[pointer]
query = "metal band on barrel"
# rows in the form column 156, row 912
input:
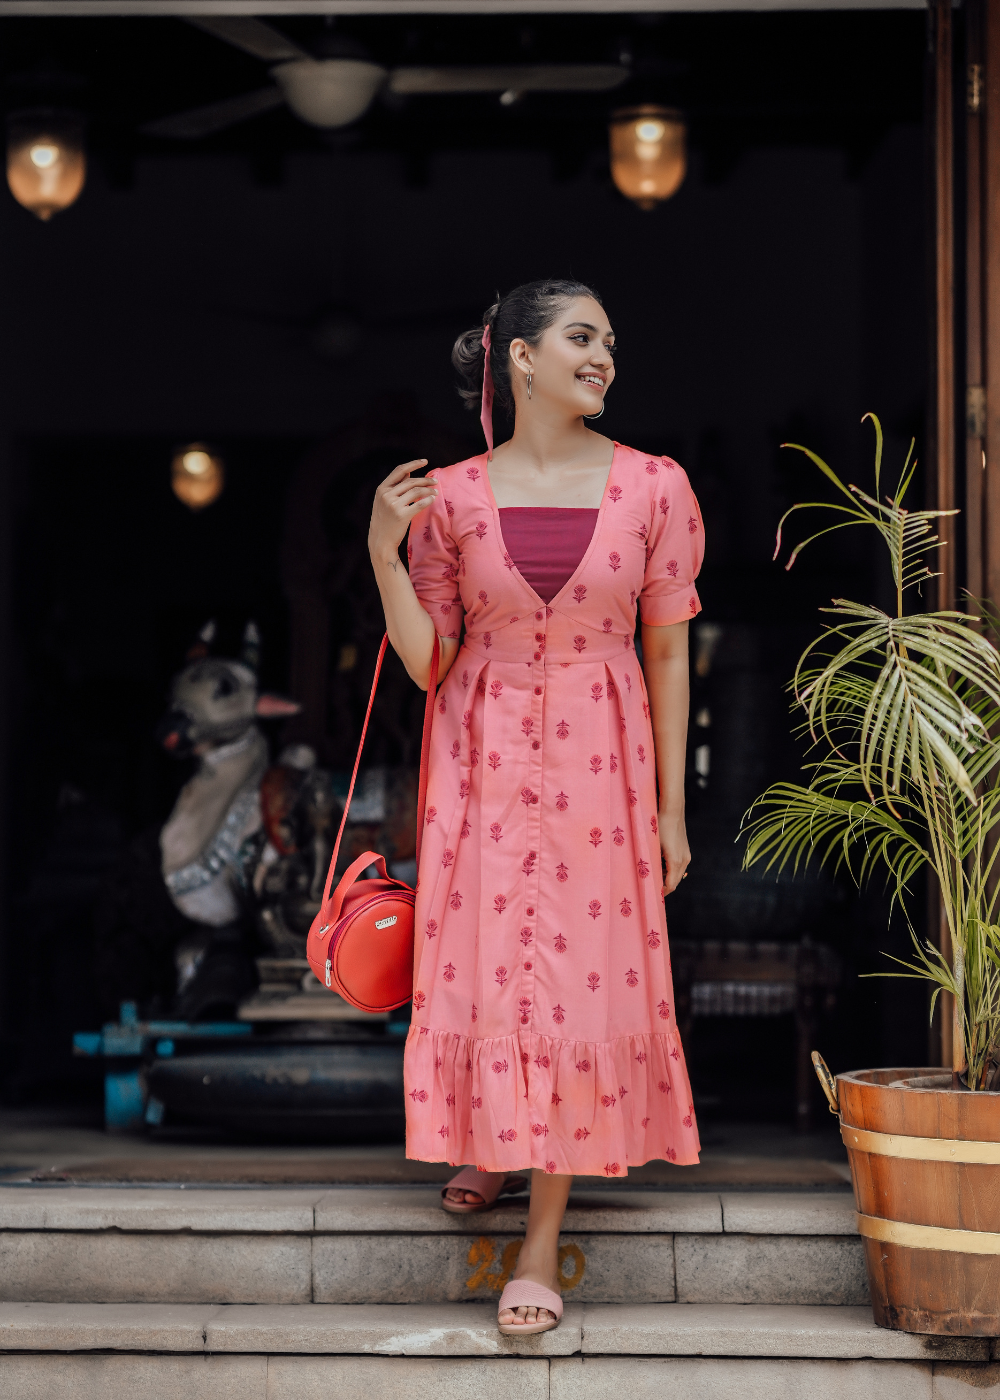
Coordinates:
column 927, row 1236
column 920, row 1149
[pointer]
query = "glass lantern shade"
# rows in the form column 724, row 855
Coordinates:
column 46, row 161
column 648, row 153
column 197, row 476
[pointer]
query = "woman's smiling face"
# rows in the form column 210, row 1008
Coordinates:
column 573, row 363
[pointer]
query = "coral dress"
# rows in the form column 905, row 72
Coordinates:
column 543, row 1032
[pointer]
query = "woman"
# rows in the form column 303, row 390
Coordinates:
column 543, row 1032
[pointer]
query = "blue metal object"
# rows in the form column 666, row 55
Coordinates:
column 198, row 1028
column 120, row 1040
column 125, row 1103
column 321, row 1092
column 124, row 1106
column 155, row 1110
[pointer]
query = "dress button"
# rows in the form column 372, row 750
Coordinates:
column 539, row 637
column 535, row 744
column 527, row 967
column 529, row 912
column 538, row 690
column 538, row 617
column 538, row 656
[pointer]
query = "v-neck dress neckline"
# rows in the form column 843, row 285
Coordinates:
column 574, row 576
column 547, row 543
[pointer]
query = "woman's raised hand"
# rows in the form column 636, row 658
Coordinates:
column 409, row 626
column 397, row 501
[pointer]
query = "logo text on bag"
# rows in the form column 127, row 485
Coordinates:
column 385, row 923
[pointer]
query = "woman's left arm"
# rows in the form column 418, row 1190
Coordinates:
column 665, row 665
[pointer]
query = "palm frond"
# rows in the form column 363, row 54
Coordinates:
column 902, row 718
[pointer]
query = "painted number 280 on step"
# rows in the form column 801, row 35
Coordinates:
column 493, row 1272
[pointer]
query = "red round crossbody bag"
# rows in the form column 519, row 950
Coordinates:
column 361, row 942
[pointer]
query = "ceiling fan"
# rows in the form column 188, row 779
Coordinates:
column 337, row 87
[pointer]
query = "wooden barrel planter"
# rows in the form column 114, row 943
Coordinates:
column 925, row 1164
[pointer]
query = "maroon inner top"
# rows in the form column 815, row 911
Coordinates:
column 547, row 543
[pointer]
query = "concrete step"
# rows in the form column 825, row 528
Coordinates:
column 385, row 1245
column 454, row 1352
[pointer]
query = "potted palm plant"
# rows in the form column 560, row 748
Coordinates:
column 902, row 716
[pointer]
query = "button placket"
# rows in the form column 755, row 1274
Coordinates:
column 533, row 825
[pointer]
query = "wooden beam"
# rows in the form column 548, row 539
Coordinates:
column 944, row 298
column 975, row 392
column 941, row 483
column 277, row 9
column 990, row 233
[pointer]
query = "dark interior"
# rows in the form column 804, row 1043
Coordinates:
column 265, row 289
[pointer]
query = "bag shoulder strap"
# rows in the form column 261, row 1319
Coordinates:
column 425, row 748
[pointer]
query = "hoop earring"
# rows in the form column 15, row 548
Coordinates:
column 529, row 383
column 591, row 416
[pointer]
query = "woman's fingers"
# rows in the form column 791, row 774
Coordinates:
column 403, row 507
column 408, row 493
column 398, row 499
column 404, row 469
column 677, row 866
column 412, row 491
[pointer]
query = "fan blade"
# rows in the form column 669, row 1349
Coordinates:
column 252, row 36
column 529, row 77
column 203, row 121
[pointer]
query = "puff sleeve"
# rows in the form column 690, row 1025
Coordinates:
column 674, row 550
column 433, row 557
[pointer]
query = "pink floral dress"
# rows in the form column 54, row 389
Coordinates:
column 543, row 1031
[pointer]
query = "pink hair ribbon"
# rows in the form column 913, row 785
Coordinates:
column 486, row 414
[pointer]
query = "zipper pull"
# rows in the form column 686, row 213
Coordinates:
column 329, row 965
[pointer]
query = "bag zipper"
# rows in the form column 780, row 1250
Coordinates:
column 341, row 924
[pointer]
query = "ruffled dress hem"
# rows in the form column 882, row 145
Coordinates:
column 581, row 1108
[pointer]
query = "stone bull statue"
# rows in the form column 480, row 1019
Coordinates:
column 235, row 868
column 210, row 834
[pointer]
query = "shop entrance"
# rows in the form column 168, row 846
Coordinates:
column 284, row 300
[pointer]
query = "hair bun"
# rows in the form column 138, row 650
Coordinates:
column 469, row 358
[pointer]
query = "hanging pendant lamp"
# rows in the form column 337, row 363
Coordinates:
column 648, row 153
column 46, row 160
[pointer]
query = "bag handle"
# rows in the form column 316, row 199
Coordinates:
column 348, row 878
column 425, row 748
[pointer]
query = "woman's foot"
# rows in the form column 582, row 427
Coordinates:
column 476, row 1190
column 509, row 1317
column 470, row 1198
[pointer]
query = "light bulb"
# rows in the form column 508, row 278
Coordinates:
column 197, row 462
column 43, row 156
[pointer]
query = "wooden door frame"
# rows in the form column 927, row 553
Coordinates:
column 965, row 377
column 942, row 425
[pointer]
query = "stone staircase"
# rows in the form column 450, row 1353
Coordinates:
column 372, row 1293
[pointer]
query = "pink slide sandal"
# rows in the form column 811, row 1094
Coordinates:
column 522, row 1293
column 489, row 1185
